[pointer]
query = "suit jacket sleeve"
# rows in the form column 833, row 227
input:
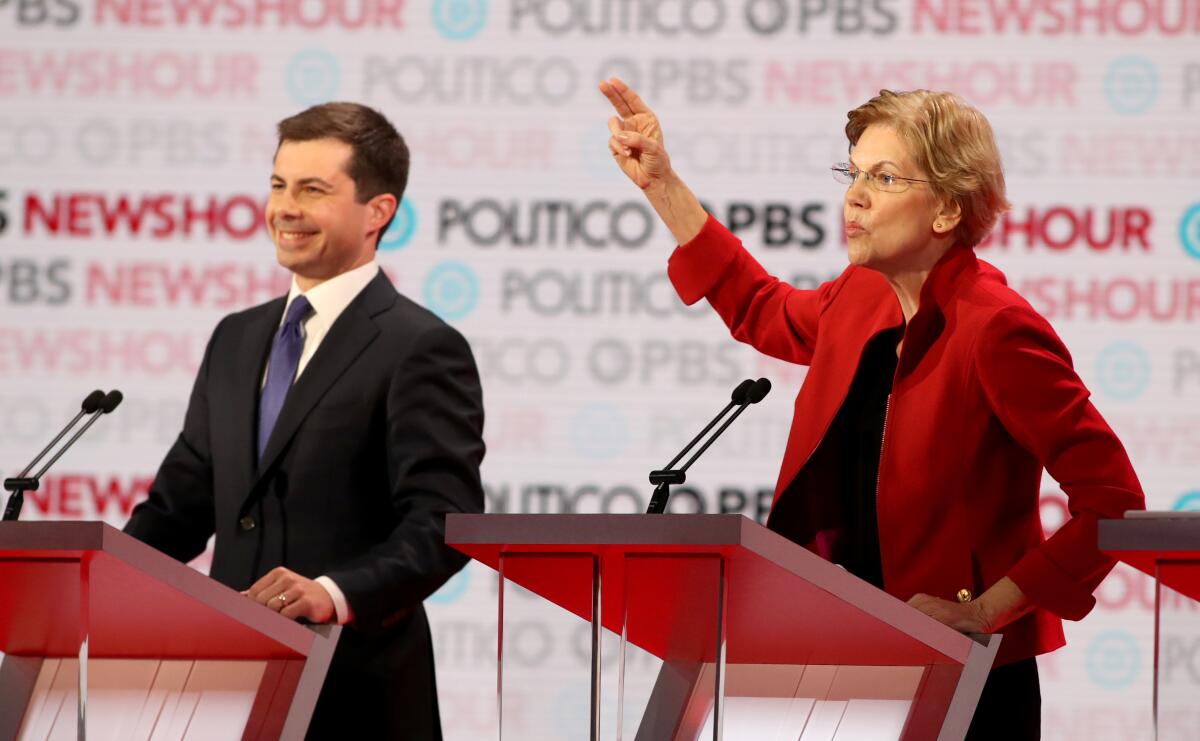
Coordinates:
column 1031, row 386
column 759, row 309
column 178, row 517
column 434, row 448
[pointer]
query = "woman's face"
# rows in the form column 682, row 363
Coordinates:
column 891, row 232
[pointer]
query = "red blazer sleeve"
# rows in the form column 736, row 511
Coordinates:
column 1033, row 389
column 759, row 309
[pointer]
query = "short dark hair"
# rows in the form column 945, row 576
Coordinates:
column 379, row 160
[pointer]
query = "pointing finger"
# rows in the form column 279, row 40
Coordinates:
column 615, row 98
column 632, row 101
column 612, row 89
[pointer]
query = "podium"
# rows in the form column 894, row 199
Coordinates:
column 1166, row 545
column 106, row 638
column 689, row 627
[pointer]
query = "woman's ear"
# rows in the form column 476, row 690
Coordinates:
column 948, row 214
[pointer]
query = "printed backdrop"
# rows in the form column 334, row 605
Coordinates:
column 135, row 146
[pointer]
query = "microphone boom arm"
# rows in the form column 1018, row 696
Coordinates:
column 748, row 392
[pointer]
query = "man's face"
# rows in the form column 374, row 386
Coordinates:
column 319, row 228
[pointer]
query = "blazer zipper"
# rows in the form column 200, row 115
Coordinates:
column 887, row 413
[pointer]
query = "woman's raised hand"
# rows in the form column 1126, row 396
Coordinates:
column 637, row 146
column 636, row 142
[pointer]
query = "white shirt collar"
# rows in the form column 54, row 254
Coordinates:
column 330, row 298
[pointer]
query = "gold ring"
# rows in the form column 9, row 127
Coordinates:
column 281, row 597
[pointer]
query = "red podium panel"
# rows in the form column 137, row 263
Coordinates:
column 778, row 604
column 1166, row 545
column 87, row 590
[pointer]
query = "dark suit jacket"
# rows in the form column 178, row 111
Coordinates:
column 378, row 439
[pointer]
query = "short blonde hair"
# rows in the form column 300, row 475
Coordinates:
column 952, row 142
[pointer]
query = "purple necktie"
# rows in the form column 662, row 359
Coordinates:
column 281, row 370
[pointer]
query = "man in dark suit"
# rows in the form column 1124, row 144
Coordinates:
column 329, row 432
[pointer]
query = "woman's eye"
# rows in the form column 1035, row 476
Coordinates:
column 886, row 179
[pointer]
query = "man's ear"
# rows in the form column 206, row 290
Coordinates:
column 380, row 210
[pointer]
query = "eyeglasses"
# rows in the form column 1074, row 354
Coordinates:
column 846, row 173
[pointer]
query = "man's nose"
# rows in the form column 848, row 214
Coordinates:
column 286, row 206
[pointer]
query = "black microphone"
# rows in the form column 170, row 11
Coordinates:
column 739, row 394
column 758, row 391
column 747, row 392
column 96, row 404
column 114, row 398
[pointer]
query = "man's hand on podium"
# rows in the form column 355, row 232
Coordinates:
column 293, row 596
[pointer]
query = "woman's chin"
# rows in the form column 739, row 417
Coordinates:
column 858, row 252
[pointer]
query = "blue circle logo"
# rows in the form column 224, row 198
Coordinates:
column 1189, row 231
column 1131, row 85
column 313, row 76
column 1189, row 501
column 1113, row 660
column 403, row 225
column 1124, row 370
column 599, row 431
column 452, row 590
column 459, row 20
column 451, row 290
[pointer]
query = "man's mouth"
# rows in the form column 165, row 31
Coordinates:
column 291, row 235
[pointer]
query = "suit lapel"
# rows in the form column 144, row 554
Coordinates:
column 353, row 331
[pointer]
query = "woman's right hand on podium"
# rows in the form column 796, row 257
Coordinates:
column 637, row 145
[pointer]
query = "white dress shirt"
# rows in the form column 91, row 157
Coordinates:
column 328, row 300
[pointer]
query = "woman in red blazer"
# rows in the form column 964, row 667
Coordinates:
column 935, row 395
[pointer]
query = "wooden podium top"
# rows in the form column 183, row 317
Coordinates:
column 785, row 604
column 141, row 603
